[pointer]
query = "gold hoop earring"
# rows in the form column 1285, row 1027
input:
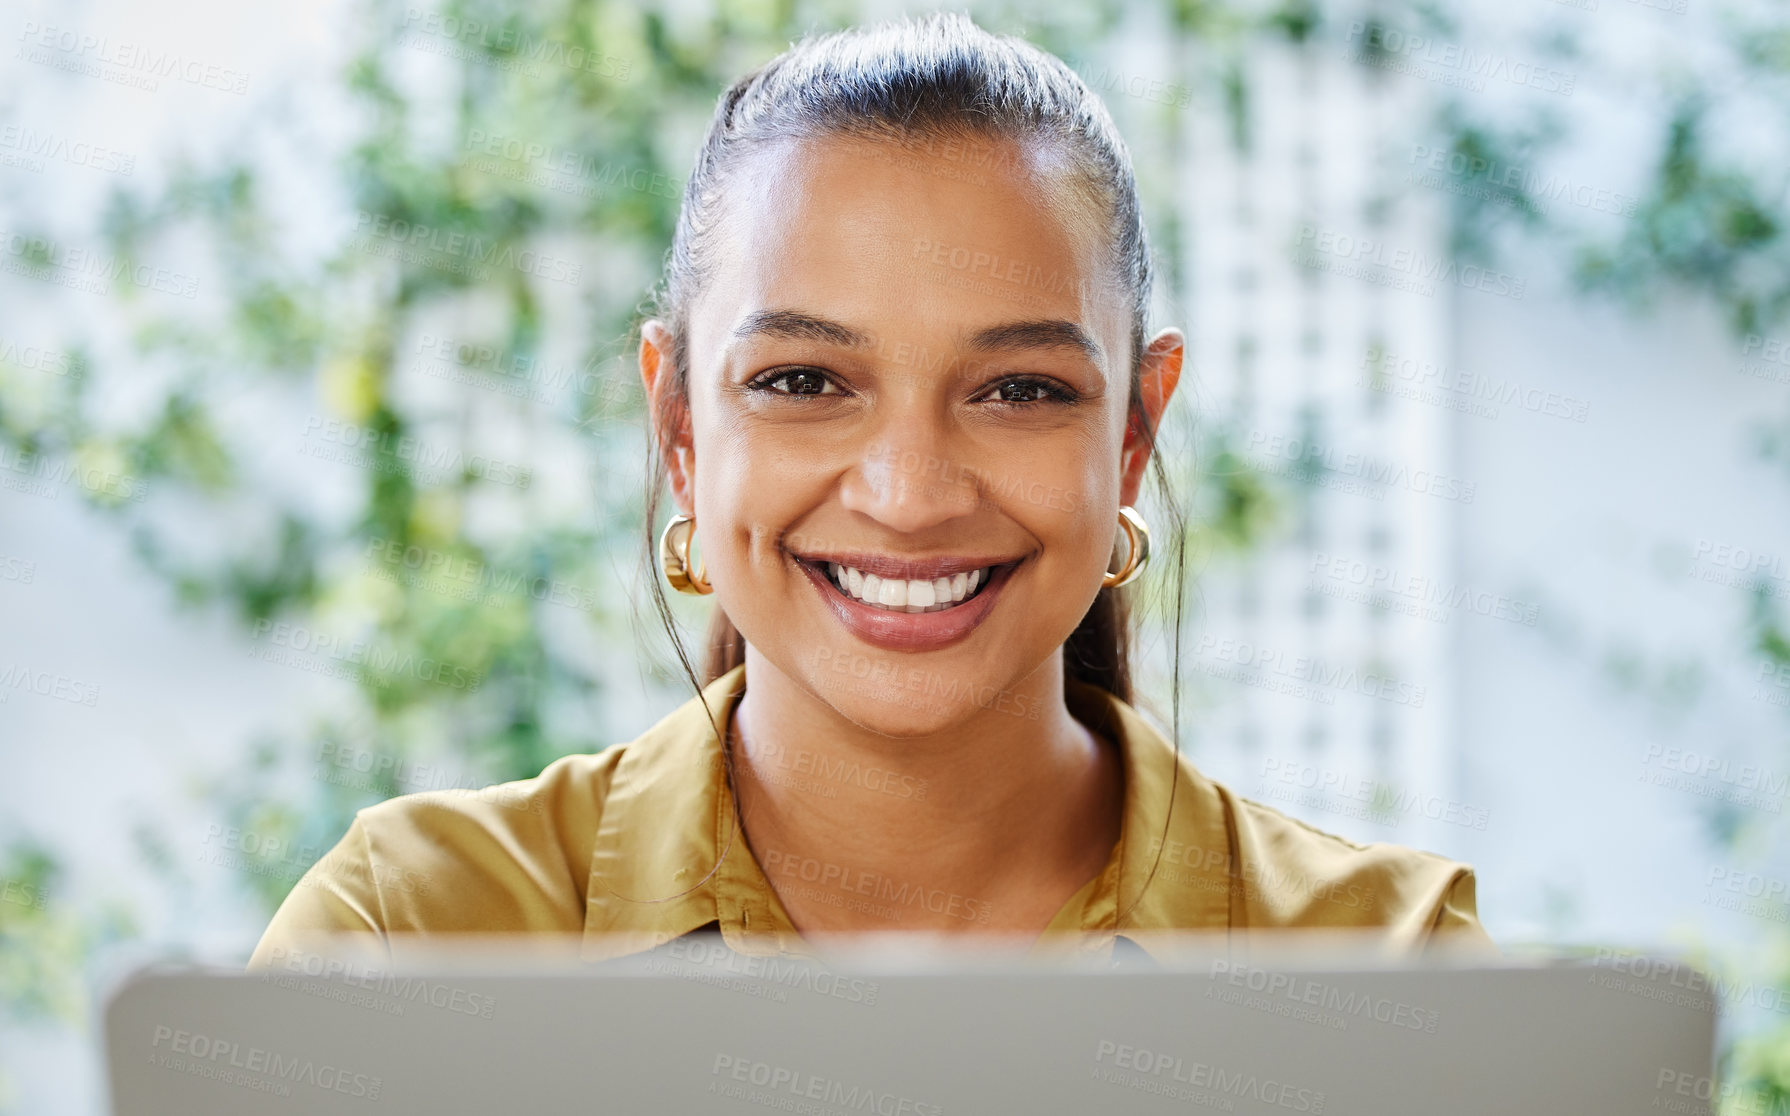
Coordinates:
column 1137, row 542
column 674, row 558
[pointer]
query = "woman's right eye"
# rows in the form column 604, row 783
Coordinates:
column 797, row 381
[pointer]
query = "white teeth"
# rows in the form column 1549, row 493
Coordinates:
column 898, row 595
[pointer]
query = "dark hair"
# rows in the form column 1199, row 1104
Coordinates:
column 939, row 76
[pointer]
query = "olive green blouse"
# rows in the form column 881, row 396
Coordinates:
column 628, row 848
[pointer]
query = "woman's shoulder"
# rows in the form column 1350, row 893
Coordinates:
column 513, row 856
column 562, row 805
column 1230, row 860
column 1296, row 874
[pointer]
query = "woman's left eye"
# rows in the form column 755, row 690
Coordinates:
column 798, row 381
column 1027, row 390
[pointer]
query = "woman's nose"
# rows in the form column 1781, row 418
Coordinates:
column 911, row 482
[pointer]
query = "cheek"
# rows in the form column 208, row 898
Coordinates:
column 1093, row 472
column 1096, row 492
column 748, row 494
column 1092, row 546
column 1068, row 499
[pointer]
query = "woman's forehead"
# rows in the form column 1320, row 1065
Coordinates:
column 1020, row 200
column 945, row 239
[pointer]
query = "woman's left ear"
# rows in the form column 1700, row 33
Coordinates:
column 1158, row 374
column 669, row 411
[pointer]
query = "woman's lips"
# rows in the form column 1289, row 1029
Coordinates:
column 909, row 631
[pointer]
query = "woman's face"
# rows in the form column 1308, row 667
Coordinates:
column 906, row 438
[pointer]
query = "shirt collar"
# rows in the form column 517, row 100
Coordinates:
column 1172, row 867
column 669, row 857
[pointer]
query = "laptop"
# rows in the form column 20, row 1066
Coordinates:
column 694, row 1027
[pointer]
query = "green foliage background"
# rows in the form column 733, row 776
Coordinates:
column 327, row 324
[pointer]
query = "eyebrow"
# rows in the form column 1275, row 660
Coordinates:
column 1042, row 333
column 801, row 327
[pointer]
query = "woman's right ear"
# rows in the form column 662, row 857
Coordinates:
column 668, row 409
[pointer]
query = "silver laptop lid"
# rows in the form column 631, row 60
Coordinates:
column 694, row 1027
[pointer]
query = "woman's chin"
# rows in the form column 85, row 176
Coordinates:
column 890, row 708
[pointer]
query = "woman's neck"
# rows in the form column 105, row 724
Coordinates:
column 988, row 825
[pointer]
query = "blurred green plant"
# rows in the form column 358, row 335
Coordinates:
column 1714, row 229
column 45, row 944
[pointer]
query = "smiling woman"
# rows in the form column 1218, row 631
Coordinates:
column 903, row 398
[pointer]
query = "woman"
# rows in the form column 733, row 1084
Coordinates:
column 903, row 399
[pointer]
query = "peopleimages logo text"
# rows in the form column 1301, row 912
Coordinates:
column 196, row 1053
column 1167, row 1066
column 475, row 251
column 115, row 59
column 510, row 47
column 98, row 269
column 1391, row 48
column 784, row 1088
column 295, row 645
column 1421, row 269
